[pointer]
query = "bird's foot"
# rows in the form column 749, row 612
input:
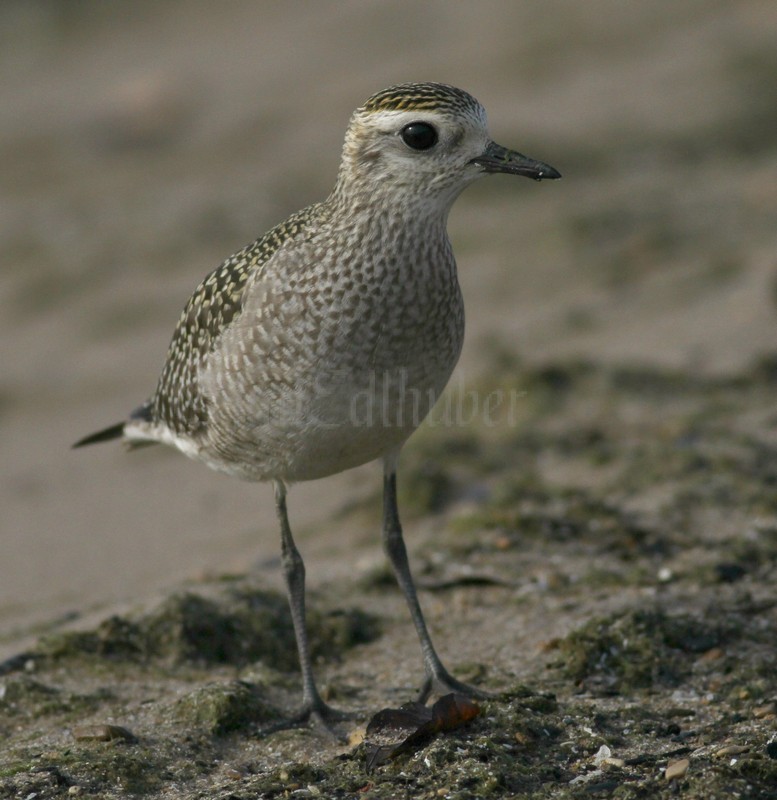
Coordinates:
column 442, row 682
column 313, row 713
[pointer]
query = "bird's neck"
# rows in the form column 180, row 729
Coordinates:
column 361, row 199
column 399, row 228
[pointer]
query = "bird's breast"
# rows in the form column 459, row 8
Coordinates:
column 331, row 367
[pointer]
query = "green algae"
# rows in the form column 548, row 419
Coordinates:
column 241, row 626
column 220, row 709
column 24, row 696
column 638, row 650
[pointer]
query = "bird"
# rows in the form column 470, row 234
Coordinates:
column 324, row 344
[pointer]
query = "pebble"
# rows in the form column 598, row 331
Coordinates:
column 602, row 754
column 713, row 654
column 665, row 575
column 731, row 750
column 523, row 738
column 769, row 710
column 677, row 769
column 604, row 758
column 102, row 733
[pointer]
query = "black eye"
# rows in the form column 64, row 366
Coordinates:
column 419, row 136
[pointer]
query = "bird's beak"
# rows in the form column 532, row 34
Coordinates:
column 499, row 159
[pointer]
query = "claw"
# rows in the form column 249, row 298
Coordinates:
column 318, row 715
column 443, row 682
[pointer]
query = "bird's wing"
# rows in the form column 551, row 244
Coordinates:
column 217, row 302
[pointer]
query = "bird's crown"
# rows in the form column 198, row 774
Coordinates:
column 421, row 97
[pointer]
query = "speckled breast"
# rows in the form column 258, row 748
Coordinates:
column 331, row 367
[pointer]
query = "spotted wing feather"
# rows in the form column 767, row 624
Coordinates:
column 215, row 304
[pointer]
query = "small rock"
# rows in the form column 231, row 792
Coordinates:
column 665, row 575
column 731, row 750
column 677, row 769
column 102, row 733
column 762, row 712
column 602, row 754
column 713, row 654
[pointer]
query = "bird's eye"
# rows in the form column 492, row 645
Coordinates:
column 419, row 136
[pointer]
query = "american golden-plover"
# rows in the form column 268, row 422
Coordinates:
column 325, row 343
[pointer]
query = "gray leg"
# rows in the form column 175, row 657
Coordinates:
column 437, row 677
column 294, row 572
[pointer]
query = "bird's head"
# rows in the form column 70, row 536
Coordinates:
column 425, row 140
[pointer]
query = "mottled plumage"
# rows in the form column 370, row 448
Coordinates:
column 177, row 402
column 325, row 343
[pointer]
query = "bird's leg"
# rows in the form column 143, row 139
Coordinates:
column 313, row 706
column 437, row 677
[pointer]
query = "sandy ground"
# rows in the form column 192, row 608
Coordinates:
column 142, row 143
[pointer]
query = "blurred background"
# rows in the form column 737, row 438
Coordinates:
column 142, row 143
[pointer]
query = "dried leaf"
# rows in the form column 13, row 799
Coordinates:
column 409, row 716
column 418, row 724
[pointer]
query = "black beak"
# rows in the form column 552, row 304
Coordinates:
column 499, row 159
